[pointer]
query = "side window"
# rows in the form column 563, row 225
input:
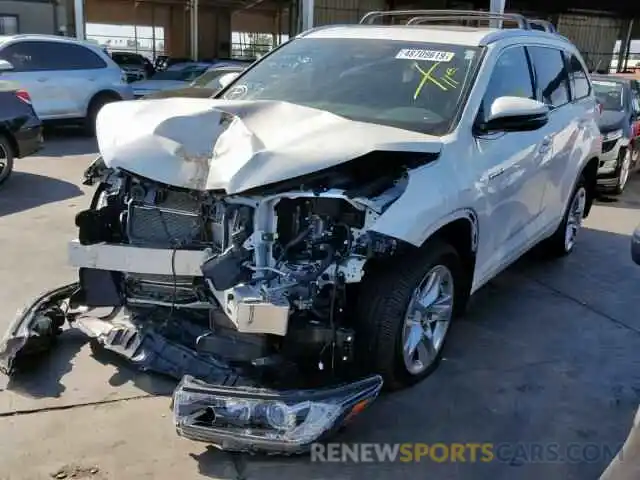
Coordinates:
column 580, row 85
column 552, row 79
column 42, row 56
column 68, row 56
column 511, row 77
column 24, row 56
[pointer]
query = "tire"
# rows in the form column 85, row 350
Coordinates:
column 94, row 107
column 624, row 169
column 635, row 154
column 7, row 155
column 559, row 244
column 386, row 294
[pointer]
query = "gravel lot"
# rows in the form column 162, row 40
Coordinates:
column 548, row 354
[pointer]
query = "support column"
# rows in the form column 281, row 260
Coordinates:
column 78, row 12
column 628, row 44
column 307, row 8
column 496, row 6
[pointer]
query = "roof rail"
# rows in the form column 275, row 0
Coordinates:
column 545, row 24
column 424, row 16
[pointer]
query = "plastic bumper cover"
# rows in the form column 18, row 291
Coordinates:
column 222, row 406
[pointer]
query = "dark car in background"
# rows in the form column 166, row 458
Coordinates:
column 135, row 66
column 620, row 112
column 205, row 86
column 20, row 127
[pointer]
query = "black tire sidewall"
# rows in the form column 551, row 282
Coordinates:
column 8, row 168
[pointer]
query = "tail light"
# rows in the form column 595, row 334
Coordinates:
column 24, row 96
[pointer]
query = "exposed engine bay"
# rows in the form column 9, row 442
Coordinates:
column 271, row 273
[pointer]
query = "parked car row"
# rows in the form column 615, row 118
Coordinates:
column 619, row 99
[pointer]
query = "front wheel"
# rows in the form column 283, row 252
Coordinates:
column 404, row 312
column 623, row 170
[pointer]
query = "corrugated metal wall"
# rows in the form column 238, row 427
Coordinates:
column 595, row 36
column 344, row 11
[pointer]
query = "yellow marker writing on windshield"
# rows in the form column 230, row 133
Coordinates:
column 447, row 77
column 427, row 76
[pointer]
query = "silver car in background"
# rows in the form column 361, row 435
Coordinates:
column 67, row 80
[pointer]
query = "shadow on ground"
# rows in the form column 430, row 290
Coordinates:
column 67, row 141
column 24, row 191
column 41, row 376
column 630, row 198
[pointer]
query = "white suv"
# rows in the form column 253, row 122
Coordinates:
column 67, row 80
column 333, row 208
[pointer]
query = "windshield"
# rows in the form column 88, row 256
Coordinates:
column 210, row 79
column 183, row 74
column 609, row 94
column 411, row 85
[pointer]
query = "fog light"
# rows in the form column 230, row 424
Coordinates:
column 245, row 419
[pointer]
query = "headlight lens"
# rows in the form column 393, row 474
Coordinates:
column 616, row 134
column 257, row 419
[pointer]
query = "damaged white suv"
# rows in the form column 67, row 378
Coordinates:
column 324, row 218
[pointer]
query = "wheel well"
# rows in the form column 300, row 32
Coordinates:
column 460, row 234
column 102, row 95
column 11, row 140
column 590, row 173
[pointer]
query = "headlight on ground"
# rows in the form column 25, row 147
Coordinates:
column 254, row 419
column 609, row 136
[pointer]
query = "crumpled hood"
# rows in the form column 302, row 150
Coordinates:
column 611, row 120
column 207, row 144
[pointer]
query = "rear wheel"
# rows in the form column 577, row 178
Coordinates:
column 563, row 241
column 404, row 312
column 7, row 155
column 92, row 114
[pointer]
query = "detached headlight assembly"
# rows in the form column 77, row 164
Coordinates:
column 256, row 419
column 609, row 136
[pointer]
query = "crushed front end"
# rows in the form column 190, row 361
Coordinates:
column 242, row 298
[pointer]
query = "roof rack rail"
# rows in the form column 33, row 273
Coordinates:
column 546, row 25
column 438, row 18
column 423, row 16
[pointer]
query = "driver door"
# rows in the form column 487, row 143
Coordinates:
column 509, row 168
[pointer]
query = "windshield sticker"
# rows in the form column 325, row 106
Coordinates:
column 445, row 82
column 425, row 55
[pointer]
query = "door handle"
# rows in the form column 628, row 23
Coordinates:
column 496, row 173
column 42, row 79
column 545, row 145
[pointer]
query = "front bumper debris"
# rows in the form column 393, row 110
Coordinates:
column 214, row 402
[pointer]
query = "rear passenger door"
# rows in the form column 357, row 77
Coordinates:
column 75, row 70
column 563, row 130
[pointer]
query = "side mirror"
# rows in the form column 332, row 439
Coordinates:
column 227, row 78
column 515, row 114
column 6, row 66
